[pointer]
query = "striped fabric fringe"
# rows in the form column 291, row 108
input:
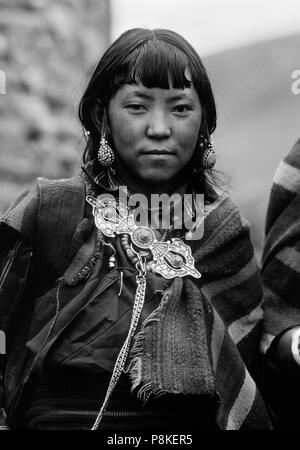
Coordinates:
column 281, row 256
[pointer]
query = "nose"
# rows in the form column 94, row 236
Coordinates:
column 158, row 126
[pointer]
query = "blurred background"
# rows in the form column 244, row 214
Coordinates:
column 48, row 49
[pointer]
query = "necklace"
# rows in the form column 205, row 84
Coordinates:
column 170, row 259
column 125, row 242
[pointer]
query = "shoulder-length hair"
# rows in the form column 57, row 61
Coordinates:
column 154, row 58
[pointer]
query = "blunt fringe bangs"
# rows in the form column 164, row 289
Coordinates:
column 156, row 58
column 154, row 64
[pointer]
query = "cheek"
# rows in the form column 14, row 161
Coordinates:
column 124, row 132
column 188, row 137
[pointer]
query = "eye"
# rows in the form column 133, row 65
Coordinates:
column 135, row 107
column 182, row 108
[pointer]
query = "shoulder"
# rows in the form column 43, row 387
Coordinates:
column 288, row 170
column 224, row 212
column 225, row 245
column 44, row 199
column 73, row 183
column 287, row 174
column 285, row 192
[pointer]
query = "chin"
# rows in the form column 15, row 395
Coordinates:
column 159, row 175
column 158, row 179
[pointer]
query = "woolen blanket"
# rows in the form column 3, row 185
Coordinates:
column 281, row 255
column 206, row 331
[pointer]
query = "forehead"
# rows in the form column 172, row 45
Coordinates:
column 140, row 91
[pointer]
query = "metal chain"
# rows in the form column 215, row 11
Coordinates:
column 122, row 356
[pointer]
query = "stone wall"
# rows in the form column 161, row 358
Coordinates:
column 47, row 51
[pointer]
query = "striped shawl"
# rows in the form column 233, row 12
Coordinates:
column 281, row 255
column 202, row 335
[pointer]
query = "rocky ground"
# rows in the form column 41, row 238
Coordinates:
column 47, row 51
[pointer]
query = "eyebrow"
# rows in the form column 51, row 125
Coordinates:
column 140, row 94
column 144, row 95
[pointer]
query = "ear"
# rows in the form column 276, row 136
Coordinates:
column 204, row 127
column 97, row 115
column 106, row 124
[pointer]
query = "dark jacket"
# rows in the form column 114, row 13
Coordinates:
column 15, row 263
column 34, row 221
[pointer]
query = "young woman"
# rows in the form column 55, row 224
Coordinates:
column 113, row 322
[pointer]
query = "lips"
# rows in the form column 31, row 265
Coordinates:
column 157, row 151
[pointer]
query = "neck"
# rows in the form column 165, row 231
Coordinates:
column 146, row 188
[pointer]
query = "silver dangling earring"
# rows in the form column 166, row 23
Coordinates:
column 105, row 154
column 208, row 158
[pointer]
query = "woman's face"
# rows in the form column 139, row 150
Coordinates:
column 154, row 132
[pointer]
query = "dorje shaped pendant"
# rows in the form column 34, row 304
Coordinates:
column 170, row 259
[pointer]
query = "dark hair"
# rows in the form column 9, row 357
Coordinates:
column 151, row 57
